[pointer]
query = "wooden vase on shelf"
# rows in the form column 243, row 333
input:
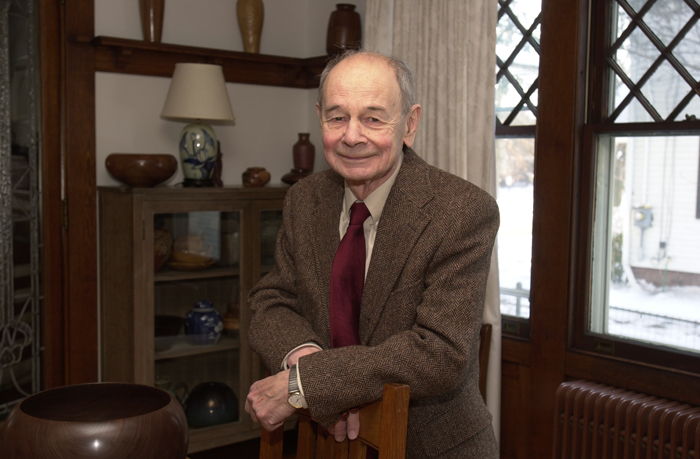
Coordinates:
column 344, row 29
column 151, row 12
column 251, row 14
column 303, row 152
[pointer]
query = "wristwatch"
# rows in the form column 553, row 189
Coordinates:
column 296, row 398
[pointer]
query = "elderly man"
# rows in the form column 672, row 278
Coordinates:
column 412, row 314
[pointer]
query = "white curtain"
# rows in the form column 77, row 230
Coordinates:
column 451, row 48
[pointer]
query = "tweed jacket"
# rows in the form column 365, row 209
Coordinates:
column 421, row 308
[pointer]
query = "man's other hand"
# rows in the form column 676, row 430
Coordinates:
column 347, row 425
column 267, row 401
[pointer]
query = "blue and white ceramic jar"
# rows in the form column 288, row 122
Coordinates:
column 204, row 324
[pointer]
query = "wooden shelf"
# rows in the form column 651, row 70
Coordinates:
column 183, row 348
column 137, row 57
column 168, row 274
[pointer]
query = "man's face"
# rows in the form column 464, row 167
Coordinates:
column 361, row 121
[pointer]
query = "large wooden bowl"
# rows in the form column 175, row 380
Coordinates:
column 105, row 420
column 141, row 170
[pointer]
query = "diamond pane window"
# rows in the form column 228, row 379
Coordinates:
column 518, row 57
column 654, row 54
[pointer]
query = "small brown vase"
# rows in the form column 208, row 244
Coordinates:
column 251, row 14
column 303, row 152
column 152, row 19
column 255, row 176
column 344, row 29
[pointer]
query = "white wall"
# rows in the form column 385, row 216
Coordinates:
column 267, row 118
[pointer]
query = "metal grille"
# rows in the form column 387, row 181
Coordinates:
column 652, row 60
column 517, row 59
column 19, row 205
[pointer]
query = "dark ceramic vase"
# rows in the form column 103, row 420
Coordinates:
column 344, row 29
column 303, row 153
column 211, row 403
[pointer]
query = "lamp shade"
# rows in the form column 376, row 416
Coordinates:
column 198, row 92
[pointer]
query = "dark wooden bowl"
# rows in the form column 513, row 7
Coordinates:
column 105, row 420
column 141, row 170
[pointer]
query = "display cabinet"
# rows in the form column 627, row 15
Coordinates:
column 164, row 250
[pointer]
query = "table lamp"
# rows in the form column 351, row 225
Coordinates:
column 198, row 92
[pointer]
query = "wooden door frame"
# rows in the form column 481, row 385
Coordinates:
column 69, row 212
column 52, row 311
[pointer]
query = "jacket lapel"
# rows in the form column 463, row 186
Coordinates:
column 403, row 221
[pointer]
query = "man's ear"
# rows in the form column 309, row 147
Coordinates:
column 412, row 125
column 318, row 112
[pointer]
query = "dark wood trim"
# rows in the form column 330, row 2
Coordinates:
column 138, row 57
column 560, row 117
column 50, row 55
column 515, row 351
column 661, row 382
column 81, row 341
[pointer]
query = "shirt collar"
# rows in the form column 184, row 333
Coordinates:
column 376, row 199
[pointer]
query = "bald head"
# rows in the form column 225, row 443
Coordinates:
column 404, row 76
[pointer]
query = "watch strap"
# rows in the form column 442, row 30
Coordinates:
column 293, row 380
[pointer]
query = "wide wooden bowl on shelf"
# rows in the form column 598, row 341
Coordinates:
column 141, row 170
column 105, row 420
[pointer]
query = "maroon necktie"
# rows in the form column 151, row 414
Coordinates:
column 348, row 280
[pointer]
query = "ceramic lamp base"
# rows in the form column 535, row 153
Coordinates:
column 198, row 149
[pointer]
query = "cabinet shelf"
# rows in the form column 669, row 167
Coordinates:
column 167, row 274
column 183, row 348
column 137, row 57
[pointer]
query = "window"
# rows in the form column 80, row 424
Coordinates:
column 517, row 55
column 644, row 263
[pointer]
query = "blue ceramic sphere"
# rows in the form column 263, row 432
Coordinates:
column 204, row 324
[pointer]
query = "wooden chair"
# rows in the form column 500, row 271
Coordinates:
column 383, row 427
column 484, row 349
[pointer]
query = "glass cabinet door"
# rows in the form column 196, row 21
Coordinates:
column 196, row 295
column 265, row 226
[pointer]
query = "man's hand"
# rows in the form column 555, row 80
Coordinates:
column 347, row 425
column 267, row 401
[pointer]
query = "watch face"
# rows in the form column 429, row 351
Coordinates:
column 295, row 400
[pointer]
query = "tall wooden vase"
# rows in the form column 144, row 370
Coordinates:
column 344, row 29
column 151, row 12
column 251, row 14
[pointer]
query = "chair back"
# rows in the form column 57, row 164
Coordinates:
column 383, row 426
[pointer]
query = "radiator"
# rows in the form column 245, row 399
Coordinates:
column 595, row 421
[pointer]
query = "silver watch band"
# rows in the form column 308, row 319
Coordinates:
column 293, row 383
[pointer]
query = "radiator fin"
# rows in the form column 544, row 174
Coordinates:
column 596, row 421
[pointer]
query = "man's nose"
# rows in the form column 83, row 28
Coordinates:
column 354, row 133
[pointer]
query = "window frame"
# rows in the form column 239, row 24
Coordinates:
column 513, row 326
column 595, row 130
